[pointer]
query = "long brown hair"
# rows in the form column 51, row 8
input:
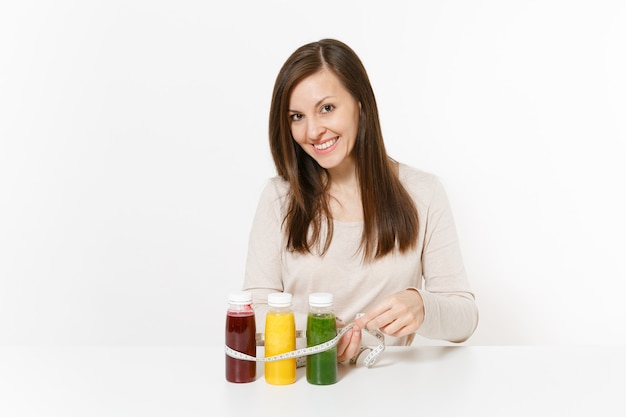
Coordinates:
column 389, row 214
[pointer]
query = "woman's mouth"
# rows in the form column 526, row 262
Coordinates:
column 325, row 145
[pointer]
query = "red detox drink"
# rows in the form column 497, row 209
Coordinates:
column 240, row 336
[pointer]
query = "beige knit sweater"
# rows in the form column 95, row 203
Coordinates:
column 434, row 267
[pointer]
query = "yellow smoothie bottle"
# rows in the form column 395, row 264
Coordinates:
column 280, row 337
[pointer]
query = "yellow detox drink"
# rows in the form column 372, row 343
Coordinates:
column 280, row 337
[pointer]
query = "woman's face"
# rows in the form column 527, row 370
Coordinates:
column 324, row 119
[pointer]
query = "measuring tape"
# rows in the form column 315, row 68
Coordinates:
column 369, row 360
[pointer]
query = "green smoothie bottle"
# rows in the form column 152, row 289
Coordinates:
column 321, row 368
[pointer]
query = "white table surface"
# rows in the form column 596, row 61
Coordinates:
column 421, row 381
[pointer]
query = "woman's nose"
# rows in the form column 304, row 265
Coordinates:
column 315, row 129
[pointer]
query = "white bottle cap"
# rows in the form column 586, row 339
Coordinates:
column 279, row 299
column 320, row 299
column 240, row 297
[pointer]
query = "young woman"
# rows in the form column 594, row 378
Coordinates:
column 343, row 217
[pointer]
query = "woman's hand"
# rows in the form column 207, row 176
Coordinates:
column 398, row 315
column 350, row 343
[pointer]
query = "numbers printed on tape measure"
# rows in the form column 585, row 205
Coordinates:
column 369, row 360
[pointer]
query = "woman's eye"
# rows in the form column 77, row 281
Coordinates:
column 327, row 108
column 295, row 117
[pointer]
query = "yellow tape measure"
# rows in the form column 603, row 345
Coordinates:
column 369, row 360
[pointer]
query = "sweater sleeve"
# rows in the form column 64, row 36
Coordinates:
column 266, row 248
column 263, row 273
column 450, row 310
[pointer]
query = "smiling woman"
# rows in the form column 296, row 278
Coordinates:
column 343, row 217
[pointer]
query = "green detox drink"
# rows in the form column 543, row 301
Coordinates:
column 321, row 368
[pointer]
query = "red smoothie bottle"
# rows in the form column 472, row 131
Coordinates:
column 240, row 336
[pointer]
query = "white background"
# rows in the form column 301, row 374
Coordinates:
column 133, row 148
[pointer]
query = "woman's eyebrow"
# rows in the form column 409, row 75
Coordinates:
column 317, row 104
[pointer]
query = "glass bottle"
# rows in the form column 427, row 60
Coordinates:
column 280, row 337
column 321, row 368
column 240, row 336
